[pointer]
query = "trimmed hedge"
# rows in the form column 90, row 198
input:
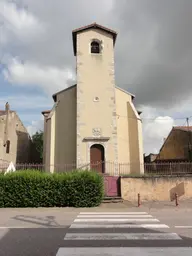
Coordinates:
column 37, row 189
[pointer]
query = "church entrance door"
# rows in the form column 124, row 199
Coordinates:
column 97, row 158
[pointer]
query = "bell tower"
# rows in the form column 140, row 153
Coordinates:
column 96, row 106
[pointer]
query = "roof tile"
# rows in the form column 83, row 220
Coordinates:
column 183, row 128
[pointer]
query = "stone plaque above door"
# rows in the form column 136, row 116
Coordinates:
column 96, row 132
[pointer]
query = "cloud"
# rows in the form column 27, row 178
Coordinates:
column 52, row 44
column 155, row 36
column 50, row 79
column 157, row 125
column 25, row 102
column 155, row 132
column 35, row 127
column 19, row 22
column 38, row 50
column 17, row 18
column 153, row 52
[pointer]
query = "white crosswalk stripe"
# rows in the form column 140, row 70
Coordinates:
column 124, row 251
column 126, row 227
column 116, row 220
column 111, row 213
column 155, row 226
column 121, row 236
column 113, row 216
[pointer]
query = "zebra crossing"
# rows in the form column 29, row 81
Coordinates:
column 120, row 233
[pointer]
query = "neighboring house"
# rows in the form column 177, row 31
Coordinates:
column 150, row 158
column 93, row 120
column 14, row 139
column 177, row 146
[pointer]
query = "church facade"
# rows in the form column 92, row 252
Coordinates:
column 94, row 122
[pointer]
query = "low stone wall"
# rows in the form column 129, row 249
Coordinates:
column 156, row 188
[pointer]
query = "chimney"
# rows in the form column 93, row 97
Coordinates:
column 7, row 107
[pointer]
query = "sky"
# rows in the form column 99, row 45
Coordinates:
column 153, row 57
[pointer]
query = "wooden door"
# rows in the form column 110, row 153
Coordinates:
column 97, row 157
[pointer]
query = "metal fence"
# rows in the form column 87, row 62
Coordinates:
column 171, row 168
column 43, row 167
column 112, row 168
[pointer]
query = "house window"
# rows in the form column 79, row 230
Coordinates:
column 95, row 47
column 8, row 147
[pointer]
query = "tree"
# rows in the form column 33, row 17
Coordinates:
column 37, row 142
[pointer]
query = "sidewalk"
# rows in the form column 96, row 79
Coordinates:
column 37, row 217
column 183, row 204
column 59, row 217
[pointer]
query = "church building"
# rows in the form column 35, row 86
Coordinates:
column 94, row 123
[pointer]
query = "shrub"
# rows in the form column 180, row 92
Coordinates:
column 37, row 189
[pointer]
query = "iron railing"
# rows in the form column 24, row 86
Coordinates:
column 170, row 168
column 112, row 168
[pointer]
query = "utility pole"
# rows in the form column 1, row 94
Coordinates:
column 189, row 139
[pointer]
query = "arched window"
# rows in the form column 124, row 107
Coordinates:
column 95, row 47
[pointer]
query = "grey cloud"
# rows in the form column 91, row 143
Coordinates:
column 159, row 34
column 59, row 18
column 153, row 50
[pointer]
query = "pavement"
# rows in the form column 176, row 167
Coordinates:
column 111, row 229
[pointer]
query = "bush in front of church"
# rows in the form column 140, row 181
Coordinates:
column 36, row 189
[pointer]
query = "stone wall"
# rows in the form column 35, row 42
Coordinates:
column 156, row 188
column 175, row 146
column 17, row 135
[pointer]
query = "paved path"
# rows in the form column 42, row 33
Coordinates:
column 120, row 234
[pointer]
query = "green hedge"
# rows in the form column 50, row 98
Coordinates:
column 37, row 189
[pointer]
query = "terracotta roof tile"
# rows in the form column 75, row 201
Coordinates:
column 45, row 112
column 93, row 25
column 96, row 26
column 183, row 128
column 3, row 112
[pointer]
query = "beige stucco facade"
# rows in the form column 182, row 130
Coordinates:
column 94, row 111
column 13, row 132
column 129, row 133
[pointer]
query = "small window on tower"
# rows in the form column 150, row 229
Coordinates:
column 8, row 147
column 95, row 47
column 96, row 99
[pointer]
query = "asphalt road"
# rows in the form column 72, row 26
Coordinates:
column 31, row 241
column 103, row 233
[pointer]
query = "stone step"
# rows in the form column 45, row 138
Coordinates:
column 115, row 199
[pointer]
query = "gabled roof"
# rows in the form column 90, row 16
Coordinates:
column 183, row 128
column 52, row 110
column 66, row 89
column 93, row 25
column 3, row 112
column 45, row 112
column 132, row 95
column 70, row 87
